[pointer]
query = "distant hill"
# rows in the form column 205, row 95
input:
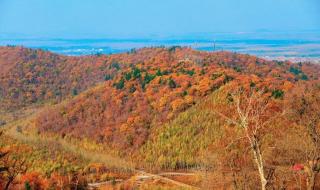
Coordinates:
column 32, row 76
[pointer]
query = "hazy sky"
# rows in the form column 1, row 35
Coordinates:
column 144, row 18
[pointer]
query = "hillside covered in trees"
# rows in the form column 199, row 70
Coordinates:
column 239, row 121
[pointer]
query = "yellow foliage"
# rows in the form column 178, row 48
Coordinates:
column 178, row 104
column 189, row 99
column 204, row 85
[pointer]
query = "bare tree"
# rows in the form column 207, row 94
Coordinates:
column 251, row 111
column 12, row 164
column 15, row 168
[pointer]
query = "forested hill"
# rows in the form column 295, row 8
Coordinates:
column 169, row 109
column 136, row 90
column 30, row 76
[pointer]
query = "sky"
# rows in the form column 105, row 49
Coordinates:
column 153, row 18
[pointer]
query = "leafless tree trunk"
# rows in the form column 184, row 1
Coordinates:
column 10, row 180
column 251, row 115
column 259, row 162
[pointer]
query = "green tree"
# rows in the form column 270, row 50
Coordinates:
column 128, row 76
column 158, row 73
column 27, row 186
column 74, row 92
column 120, row 84
column 277, row 94
column 172, row 83
column 107, row 77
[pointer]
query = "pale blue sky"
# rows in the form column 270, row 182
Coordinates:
column 145, row 18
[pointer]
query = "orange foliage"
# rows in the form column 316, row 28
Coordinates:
column 139, row 89
column 35, row 180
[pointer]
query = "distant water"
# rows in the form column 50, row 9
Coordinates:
column 286, row 49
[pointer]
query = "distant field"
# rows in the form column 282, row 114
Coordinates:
column 290, row 49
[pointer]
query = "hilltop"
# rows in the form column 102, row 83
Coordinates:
column 32, row 76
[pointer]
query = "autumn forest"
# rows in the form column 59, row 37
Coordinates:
column 157, row 118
